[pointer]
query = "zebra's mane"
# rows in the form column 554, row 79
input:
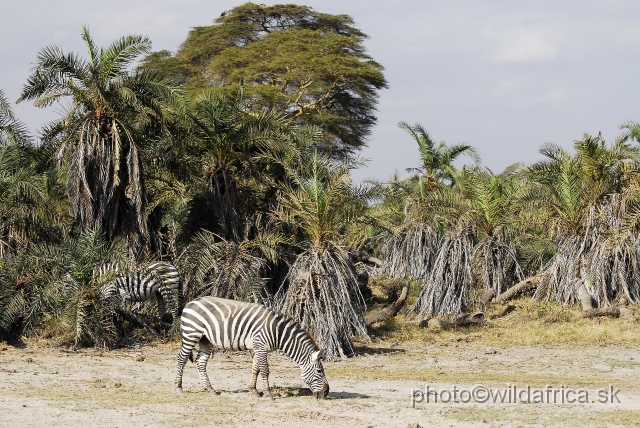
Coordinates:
column 309, row 335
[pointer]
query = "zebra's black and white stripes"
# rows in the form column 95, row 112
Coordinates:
column 160, row 280
column 212, row 322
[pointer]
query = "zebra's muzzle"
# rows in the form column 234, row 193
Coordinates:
column 322, row 394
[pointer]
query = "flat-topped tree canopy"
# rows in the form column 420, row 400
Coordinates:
column 290, row 57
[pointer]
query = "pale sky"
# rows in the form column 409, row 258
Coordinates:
column 503, row 76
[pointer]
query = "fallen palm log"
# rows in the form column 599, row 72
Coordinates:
column 389, row 311
column 588, row 311
column 520, row 288
column 624, row 310
column 461, row 321
column 469, row 319
column 364, row 257
column 601, row 312
column 488, row 296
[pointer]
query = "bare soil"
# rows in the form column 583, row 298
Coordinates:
column 54, row 386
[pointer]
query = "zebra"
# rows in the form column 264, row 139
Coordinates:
column 159, row 279
column 213, row 322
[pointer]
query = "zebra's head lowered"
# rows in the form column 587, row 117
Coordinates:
column 313, row 375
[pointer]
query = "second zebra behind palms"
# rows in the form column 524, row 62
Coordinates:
column 159, row 280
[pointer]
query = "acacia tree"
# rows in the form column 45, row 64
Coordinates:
column 291, row 58
column 98, row 134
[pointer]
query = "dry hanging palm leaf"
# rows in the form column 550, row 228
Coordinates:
column 576, row 256
column 324, row 297
column 448, row 288
column 411, row 253
column 497, row 263
column 225, row 269
column 611, row 268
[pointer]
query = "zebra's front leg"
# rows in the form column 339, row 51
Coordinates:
column 255, row 369
column 206, row 349
column 260, row 361
column 184, row 353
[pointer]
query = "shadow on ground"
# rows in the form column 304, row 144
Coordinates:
column 343, row 395
column 366, row 350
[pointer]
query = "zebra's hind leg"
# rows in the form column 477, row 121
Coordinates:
column 188, row 344
column 206, row 350
column 162, row 310
column 260, row 365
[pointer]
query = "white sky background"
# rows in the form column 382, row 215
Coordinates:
column 503, row 76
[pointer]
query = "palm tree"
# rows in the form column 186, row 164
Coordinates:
column 410, row 238
column 25, row 212
column 25, row 215
column 12, row 131
column 218, row 267
column 98, row 135
column 581, row 196
column 491, row 203
column 237, row 156
column 411, row 243
column 323, row 295
column 437, row 161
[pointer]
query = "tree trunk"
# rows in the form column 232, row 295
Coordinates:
column 588, row 311
column 391, row 310
column 601, row 312
column 363, row 256
column 585, row 298
column 520, row 288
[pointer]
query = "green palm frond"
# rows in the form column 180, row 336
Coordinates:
column 437, row 160
column 56, row 286
column 12, row 131
column 229, row 269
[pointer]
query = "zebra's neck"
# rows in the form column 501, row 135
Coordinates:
column 295, row 342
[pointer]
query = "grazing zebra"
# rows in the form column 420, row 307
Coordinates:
column 213, row 322
column 159, row 279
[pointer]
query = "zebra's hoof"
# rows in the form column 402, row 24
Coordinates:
column 213, row 392
column 178, row 390
column 269, row 396
column 255, row 393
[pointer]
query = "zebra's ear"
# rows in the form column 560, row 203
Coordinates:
column 318, row 355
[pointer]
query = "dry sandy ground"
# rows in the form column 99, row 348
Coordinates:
column 56, row 387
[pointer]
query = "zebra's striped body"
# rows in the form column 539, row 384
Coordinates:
column 213, row 322
column 159, row 280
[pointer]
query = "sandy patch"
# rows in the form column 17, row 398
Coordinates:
column 55, row 387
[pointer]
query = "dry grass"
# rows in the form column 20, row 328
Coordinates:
column 372, row 388
column 532, row 415
column 455, row 375
column 522, row 323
